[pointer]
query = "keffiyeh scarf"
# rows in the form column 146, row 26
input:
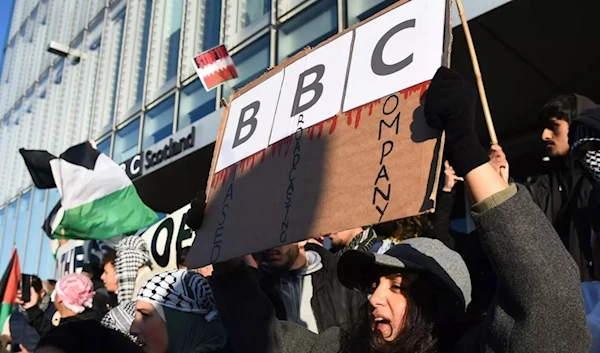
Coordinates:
column 181, row 290
column 590, row 159
column 76, row 292
column 132, row 253
column 120, row 318
column 363, row 242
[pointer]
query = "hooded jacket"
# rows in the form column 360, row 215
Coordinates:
column 331, row 303
column 538, row 307
column 562, row 194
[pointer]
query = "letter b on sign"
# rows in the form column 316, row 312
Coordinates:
column 243, row 122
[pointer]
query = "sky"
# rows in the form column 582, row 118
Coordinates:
column 5, row 12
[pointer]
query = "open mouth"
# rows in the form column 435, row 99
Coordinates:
column 379, row 323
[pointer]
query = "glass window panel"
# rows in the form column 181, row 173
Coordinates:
column 158, row 122
column 47, row 264
column 22, row 218
column 308, row 28
column 104, row 146
column 251, row 62
column 133, row 66
column 34, row 238
column 164, row 47
column 89, row 70
column 108, row 70
column 7, row 236
column 126, row 141
column 285, row 6
column 201, row 31
column 244, row 18
column 360, row 10
column 195, row 103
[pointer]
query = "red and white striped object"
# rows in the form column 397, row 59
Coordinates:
column 214, row 67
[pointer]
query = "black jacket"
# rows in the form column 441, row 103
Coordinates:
column 333, row 304
column 23, row 333
column 563, row 195
column 43, row 325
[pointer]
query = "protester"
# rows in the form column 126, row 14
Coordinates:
column 120, row 318
column 73, row 297
column 420, row 288
column 563, row 191
column 301, row 281
column 127, row 268
column 175, row 312
column 86, row 336
column 24, row 336
column 101, row 302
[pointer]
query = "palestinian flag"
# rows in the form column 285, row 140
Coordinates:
column 98, row 200
column 9, row 286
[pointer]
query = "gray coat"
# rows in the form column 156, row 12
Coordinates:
column 538, row 306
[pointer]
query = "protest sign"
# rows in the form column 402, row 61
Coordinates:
column 332, row 139
column 73, row 254
column 166, row 238
column 214, row 67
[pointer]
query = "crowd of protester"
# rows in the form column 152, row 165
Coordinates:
column 413, row 285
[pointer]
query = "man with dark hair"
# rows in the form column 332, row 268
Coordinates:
column 563, row 191
column 301, row 281
column 23, row 334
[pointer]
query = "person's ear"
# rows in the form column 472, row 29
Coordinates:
column 42, row 293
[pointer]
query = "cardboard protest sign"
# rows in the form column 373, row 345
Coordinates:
column 332, row 139
column 214, row 67
column 73, row 254
column 166, row 238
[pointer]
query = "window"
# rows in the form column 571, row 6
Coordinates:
column 1, row 225
column 308, row 28
column 164, row 47
column 88, row 76
column 201, row 31
column 47, row 264
column 243, row 18
column 22, row 218
column 158, row 122
column 195, row 103
column 108, row 70
column 251, row 62
column 34, row 238
column 7, row 236
column 360, row 10
column 285, row 6
column 104, row 146
column 126, row 141
column 133, row 67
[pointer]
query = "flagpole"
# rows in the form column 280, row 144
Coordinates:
column 484, row 102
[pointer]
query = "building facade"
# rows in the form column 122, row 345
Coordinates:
column 125, row 79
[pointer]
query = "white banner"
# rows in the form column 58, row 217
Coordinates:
column 166, row 238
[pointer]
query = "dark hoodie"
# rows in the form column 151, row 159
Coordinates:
column 562, row 194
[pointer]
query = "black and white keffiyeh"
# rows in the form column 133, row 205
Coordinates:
column 181, row 290
column 120, row 318
column 590, row 158
column 132, row 253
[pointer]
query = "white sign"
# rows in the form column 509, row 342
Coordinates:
column 72, row 255
column 392, row 52
column 166, row 238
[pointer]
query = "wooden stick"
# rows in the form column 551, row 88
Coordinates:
column 484, row 102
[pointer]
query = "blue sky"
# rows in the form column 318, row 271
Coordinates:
column 5, row 12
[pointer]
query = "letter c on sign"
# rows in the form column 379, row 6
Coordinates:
column 377, row 65
column 134, row 167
